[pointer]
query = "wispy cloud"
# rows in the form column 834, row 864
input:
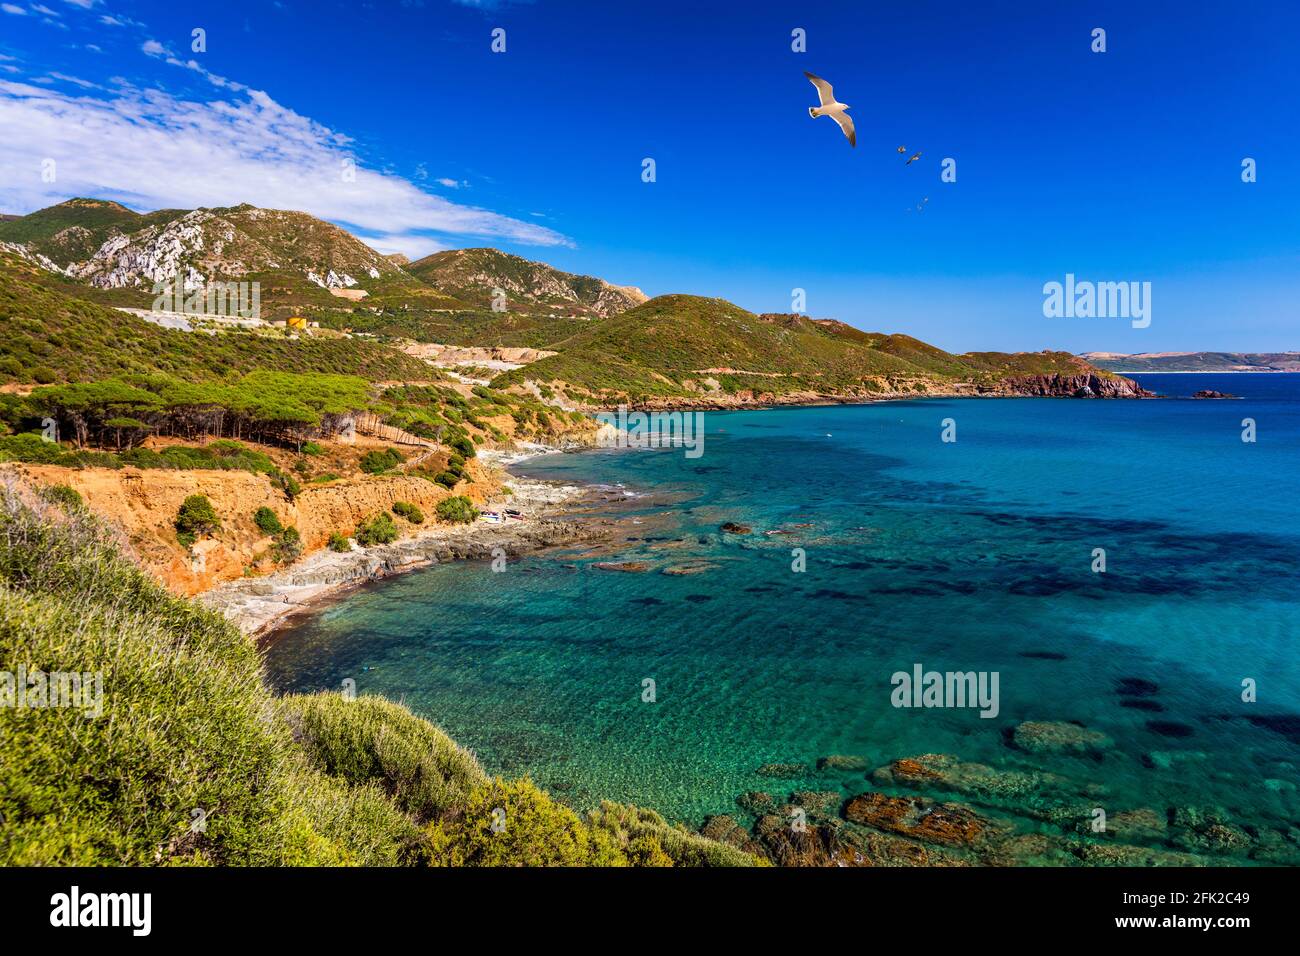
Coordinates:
column 152, row 149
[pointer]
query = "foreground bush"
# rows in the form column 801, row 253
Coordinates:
column 457, row 509
column 410, row 512
column 378, row 530
column 378, row 462
column 196, row 519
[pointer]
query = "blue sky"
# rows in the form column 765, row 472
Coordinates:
column 1115, row 166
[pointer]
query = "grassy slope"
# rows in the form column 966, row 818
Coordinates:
column 188, row 724
column 78, row 340
column 654, row 349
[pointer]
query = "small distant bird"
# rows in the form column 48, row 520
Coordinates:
column 915, row 157
column 830, row 106
column 902, row 149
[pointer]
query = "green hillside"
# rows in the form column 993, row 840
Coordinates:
column 687, row 346
column 51, row 336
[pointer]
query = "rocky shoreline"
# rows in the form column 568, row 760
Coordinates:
column 1056, row 385
column 259, row 606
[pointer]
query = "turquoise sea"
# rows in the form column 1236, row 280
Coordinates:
column 973, row 555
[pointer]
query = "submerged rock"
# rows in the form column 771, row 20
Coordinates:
column 1122, row 854
column 950, row 773
column 732, row 527
column 693, row 567
column 952, row 824
column 788, row 771
column 841, row 762
column 631, row 566
column 1059, row 737
column 756, row 802
column 817, row 801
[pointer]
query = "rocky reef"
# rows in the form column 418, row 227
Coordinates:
column 941, row 810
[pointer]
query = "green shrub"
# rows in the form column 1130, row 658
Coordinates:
column 512, row 823
column 408, row 511
column 378, row 462
column 339, row 542
column 370, row 739
column 457, row 509
column 628, row 825
column 287, row 546
column 312, row 448
column 447, row 479
column 44, row 375
column 286, row 483
column 31, row 448
column 64, row 496
column 196, row 519
column 378, row 530
column 267, row 521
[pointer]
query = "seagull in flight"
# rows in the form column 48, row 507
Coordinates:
column 914, row 158
column 829, row 106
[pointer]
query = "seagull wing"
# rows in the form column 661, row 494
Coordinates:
column 846, row 124
column 824, row 92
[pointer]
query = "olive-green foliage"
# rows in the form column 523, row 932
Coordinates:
column 410, row 512
column 377, row 462
column 62, row 495
column 183, row 723
column 371, row 739
column 457, row 509
column 196, row 519
column 630, row 824
column 312, row 448
column 287, row 546
column 286, row 483
column 378, row 530
column 339, row 542
column 513, row 823
column 67, row 338
column 267, row 521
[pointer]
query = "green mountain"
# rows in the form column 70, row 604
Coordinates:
column 51, row 334
column 1196, row 361
column 613, row 344
column 473, row 275
column 682, row 348
column 300, row 261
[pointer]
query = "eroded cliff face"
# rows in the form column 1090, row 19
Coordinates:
column 142, row 504
column 1084, row 385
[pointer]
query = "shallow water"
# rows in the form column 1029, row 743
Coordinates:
column 968, row 556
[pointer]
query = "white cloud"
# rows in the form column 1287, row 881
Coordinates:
column 10, row 8
column 453, row 183
column 154, row 48
column 75, row 80
column 84, row 4
column 151, row 149
column 38, row 8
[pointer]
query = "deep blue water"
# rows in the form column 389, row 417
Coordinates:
column 972, row 555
